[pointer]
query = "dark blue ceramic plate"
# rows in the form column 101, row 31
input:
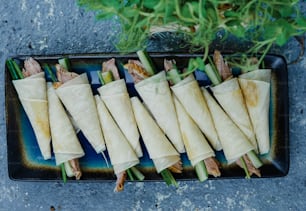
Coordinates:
column 26, row 163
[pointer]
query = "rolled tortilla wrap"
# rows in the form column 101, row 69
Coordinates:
column 32, row 93
column 65, row 143
column 121, row 153
column 189, row 94
column 117, row 101
column 196, row 145
column 156, row 94
column 230, row 97
column 233, row 140
column 78, row 99
column 255, row 87
column 158, row 146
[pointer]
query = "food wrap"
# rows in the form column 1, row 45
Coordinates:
column 233, row 140
column 32, row 93
column 255, row 87
column 121, row 153
column 196, row 145
column 158, row 146
column 65, row 143
column 78, row 99
column 189, row 94
column 117, row 101
column 156, row 94
column 230, row 97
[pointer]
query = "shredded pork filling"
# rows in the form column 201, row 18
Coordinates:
column 74, row 164
column 250, row 167
column 121, row 177
column 110, row 65
column 64, row 75
column 31, row 67
column 222, row 66
column 212, row 166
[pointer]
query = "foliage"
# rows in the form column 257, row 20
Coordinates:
column 263, row 22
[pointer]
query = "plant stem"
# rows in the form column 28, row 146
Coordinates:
column 17, row 69
column 130, row 175
column 64, row 176
column 137, row 173
column 65, row 63
column 49, row 71
column 146, row 61
column 245, row 168
column 168, row 177
column 201, row 171
column 11, row 69
column 254, row 159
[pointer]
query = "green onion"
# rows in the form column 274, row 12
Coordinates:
column 168, row 177
column 212, row 75
column 173, row 76
column 64, row 176
column 19, row 72
column 146, row 61
column 244, row 166
column 65, row 63
column 11, row 69
column 130, row 175
column 254, row 159
column 100, row 77
column 49, row 71
column 201, row 171
column 137, row 173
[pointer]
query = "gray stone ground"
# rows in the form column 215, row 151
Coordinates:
column 39, row 27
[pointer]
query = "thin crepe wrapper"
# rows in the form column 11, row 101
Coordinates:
column 156, row 94
column 189, row 94
column 230, row 97
column 77, row 97
column 158, row 146
column 121, row 153
column 65, row 143
column 234, row 142
column 196, row 145
column 255, row 86
column 116, row 98
column 32, row 93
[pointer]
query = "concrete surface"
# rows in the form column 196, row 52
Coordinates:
column 54, row 27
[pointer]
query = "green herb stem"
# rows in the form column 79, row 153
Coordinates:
column 146, row 61
column 137, row 173
column 201, row 171
column 130, row 175
column 49, row 71
column 254, row 159
column 168, row 177
column 11, row 69
column 244, row 166
column 65, row 63
column 213, row 75
column 64, row 176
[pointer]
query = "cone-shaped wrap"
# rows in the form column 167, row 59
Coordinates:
column 32, row 93
column 156, row 94
column 158, row 146
column 234, row 142
column 117, row 101
column 78, row 99
column 255, row 86
column 65, row 143
column 121, row 153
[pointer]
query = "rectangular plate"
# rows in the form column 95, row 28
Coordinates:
column 26, row 163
